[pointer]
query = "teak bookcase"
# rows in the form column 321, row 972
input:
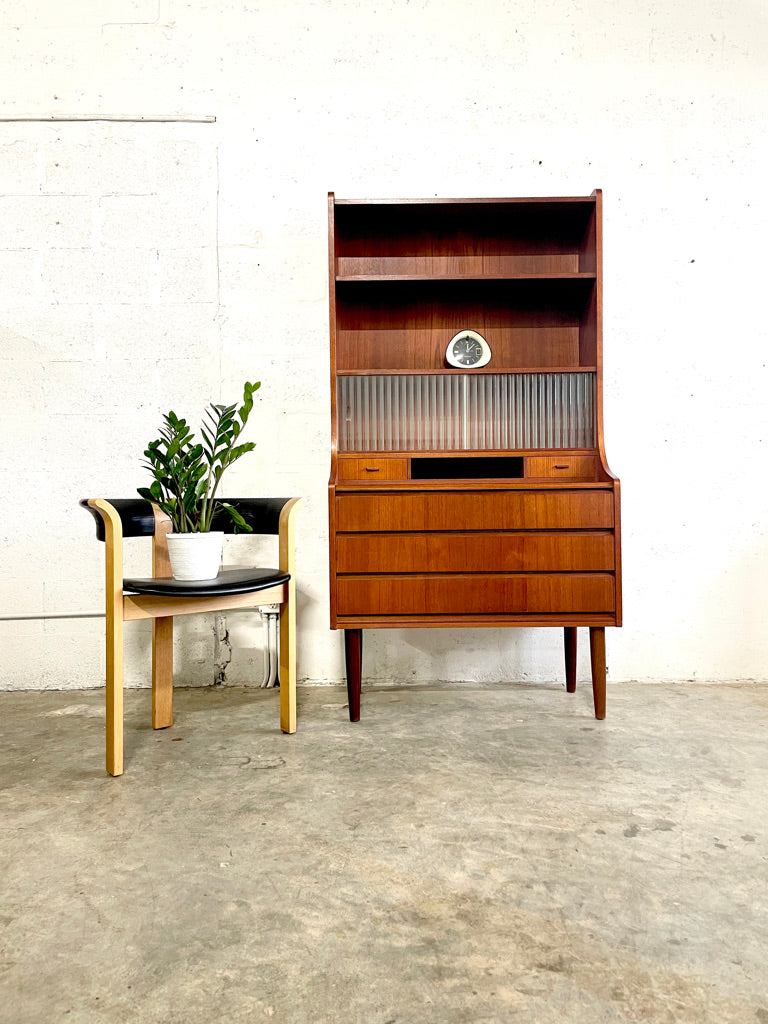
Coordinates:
column 470, row 497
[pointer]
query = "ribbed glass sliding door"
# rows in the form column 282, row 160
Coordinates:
column 466, row 412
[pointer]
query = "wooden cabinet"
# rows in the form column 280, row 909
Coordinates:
column 470, row 495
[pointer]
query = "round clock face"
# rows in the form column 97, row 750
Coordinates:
column 468, row 350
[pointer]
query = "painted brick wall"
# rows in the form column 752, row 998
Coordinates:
column 154, row 265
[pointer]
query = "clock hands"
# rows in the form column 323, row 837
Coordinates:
column 468, row 349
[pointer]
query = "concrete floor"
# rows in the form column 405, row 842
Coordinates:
column 461, row 855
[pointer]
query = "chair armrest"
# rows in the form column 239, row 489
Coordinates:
column 287, row 535
column 112, row 533
column 109, row 525
column 135, row 515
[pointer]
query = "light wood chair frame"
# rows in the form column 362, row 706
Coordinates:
column 123, row 606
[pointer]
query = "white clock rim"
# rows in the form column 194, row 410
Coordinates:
column 484, row 359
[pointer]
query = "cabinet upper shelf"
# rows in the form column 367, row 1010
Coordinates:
column 417, row 269
column 551, row 201
column 448, row 371
column 480, row 238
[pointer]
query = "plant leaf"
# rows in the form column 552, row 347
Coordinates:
column 237, row 519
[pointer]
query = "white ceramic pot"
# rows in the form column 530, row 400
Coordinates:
column 195, row 556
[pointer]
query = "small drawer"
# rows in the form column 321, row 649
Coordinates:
column 373, row 469
column 573, row 467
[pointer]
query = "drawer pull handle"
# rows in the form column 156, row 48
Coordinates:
column 372, row 469
column 563, row 467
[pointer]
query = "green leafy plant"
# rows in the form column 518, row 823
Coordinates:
column 187, row 472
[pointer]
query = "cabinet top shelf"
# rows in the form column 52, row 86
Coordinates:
column 447, row 371
column 571, row 276
column 558, row 200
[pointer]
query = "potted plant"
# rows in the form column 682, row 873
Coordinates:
column 187, row 474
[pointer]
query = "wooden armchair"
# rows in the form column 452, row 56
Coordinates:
column 161, row 597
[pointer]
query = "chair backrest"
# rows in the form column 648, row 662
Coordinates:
column 137, row 518
column 261, row 514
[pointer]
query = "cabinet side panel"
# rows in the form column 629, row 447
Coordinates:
column 588, row 253
column 332, row 324
column 617, row 534
column 331, row 488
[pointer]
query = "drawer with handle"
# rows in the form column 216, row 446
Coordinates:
column 373, row 469
column 573, row 467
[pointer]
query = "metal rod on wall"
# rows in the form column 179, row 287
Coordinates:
column 130, row 118
column 53, row 615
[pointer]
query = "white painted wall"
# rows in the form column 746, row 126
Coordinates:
column 147, row 266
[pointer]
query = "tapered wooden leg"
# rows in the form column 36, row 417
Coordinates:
column 353, row 653
column 288, row 661
column 597, row 653
column 570, row 658
column 114, row 695
column 162, row 672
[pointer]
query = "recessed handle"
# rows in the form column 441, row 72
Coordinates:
column 566, row 466
column 372, row 469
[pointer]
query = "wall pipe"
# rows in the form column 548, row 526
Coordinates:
column 270, row 614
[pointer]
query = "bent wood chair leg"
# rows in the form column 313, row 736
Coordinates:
column 597, row 653
column 113, row 564
column 353, row 654
column 288, row 663
column 570, row 658
column 114, row 696
column 162, row 672
column 287, row 548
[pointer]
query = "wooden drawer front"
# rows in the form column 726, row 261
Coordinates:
column 568, row 466
column 373, row 469
column 479, row 510
column 562, row 593
column 474, row 552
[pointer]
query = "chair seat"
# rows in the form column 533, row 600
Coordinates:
column 229, row 581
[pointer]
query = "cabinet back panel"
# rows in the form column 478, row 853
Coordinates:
column 470, row 229
column 414, row 348
column 407, row 324
column 458, row 266
column 398, row 304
